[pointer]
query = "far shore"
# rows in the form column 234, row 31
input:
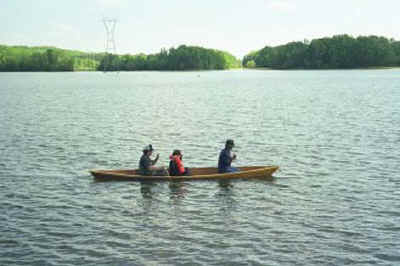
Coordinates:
column 294, row 69
column 208, row 70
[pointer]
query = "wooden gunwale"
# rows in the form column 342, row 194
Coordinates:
column 206, row 173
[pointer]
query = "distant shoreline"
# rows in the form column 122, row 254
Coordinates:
column 340, row 52
column 208, row 70
column 313, row 69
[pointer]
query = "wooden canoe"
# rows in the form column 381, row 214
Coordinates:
column 206, row 173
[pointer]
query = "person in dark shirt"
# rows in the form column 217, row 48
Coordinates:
column 226, row 157
column 146, row 164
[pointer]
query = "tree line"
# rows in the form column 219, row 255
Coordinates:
column 23, row 58
column 337, row 52
column 181, row 58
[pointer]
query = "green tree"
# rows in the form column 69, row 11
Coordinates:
column 339, row 51
column 251, row 64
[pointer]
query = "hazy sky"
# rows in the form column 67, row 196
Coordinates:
column 237, row 26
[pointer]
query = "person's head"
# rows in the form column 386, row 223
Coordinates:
column 177, row 153
column 229, row 144
column 148, row 150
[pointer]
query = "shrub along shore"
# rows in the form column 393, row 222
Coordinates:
column 337, row 52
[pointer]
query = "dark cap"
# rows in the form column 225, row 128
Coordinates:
column 148, row 148
column 230, row 142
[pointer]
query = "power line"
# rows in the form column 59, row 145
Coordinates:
column 110, row 46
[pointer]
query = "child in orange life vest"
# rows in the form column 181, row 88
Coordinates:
column 176, row 167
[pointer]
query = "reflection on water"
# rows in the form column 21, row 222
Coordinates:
column 146, row 189
column 225, row 197
column 225, row 184
column 177, row 189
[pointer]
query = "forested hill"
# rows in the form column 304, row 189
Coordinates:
column 23, row 58
column 44, row 58
column 337, row 52
column 181, row 58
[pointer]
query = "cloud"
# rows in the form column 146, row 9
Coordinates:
column 110, row 8
column 63, row 33
column 65, row 28
column 280, row 5
column 110, row 3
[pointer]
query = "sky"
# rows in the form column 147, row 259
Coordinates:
column 236, row 26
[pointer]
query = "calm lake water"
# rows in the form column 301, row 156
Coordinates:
column 335, row 135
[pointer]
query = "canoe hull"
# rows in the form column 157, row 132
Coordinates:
column 209, row 173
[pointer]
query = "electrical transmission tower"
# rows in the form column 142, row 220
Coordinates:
column 110, row 46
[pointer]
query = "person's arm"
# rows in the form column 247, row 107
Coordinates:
column 231, row 156
column 153, row 162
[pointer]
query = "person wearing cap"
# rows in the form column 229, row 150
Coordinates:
column 146, row 164
column 226, row 157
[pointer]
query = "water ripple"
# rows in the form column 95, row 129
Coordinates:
column 334, row 201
